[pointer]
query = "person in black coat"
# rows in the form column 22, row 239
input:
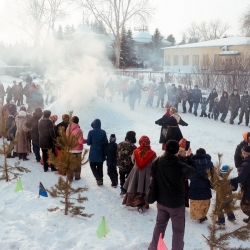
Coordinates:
column 190, row 100
column 223, row 106
column 2, row 92
column 46, row 137
column 244, row 179
column 171, row 125
column 161, row 90
column 199, row 191
column 197, row 97
column 33, row 124
column 110, row 153
column 172, row 95
column 238, row 159
column 169, row 178
column 64, row 124
column 210, row 100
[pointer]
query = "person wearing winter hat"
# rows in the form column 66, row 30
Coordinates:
column 244, row 108
column 54, row 119
column 23, row 108
column 244, row 179
column 200, row 188
column 238, row 158
column 226, row 205
column 32, row 123
column 23, row 144
column 46, row 138
column 197, row 97
column 210, row 100
column 125, row 150
column 110, row 154
column 169, row 174
column 139, row 178
column 97, row 140
column 216, row 108
column 233, row 104
column 74, row 129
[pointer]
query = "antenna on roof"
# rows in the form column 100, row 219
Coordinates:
column 143, row 28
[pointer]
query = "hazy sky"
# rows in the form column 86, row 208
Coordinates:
column 171, row 16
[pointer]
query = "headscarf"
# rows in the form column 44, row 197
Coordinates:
column 144, row 154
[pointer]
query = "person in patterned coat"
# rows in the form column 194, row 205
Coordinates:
column 244, row 108
column 125, row 150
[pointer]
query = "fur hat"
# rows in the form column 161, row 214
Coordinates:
column 172, row 147
column 173, row 110
column 235, row 90
column 216, row 99
column 182, row 144
column 112, row 138
column 54, row 118
column 201, row 151
column 46, row 113
column 65, row 117
column 75, row 119
column 22, row 113
column 246, row 150
column 23, row 108
column 130, row 136
column 245, row 92
column 196, row 86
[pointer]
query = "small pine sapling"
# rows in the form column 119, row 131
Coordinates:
column 8, row 172
column 68, row 163
column 223, row 189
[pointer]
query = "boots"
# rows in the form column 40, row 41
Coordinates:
column 20, row 155
column 239, row 122
column 208, row 115
column 10, row 156
column 25, row 157
column 195, row 113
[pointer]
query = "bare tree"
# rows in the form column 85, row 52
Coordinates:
column 115, row 14
column 207, row 30
column 245, row 22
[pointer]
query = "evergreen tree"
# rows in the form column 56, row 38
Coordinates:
column 68, row 30
column 98, row 27
column 68, row 162
column 132, row 59
column 171, row 39
column 8, row 172
column 124, row 55
column 156, row 45
column 183, row 41
column 220, row 184
column 193, row 40
column 59, row 33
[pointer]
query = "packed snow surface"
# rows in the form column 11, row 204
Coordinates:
column 26, row 223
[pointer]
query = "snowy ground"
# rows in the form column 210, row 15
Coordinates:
column 25, row 222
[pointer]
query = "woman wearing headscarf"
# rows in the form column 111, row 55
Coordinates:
column 139, row 178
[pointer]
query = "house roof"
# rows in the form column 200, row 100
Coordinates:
column 142, row 37
column 230, row 41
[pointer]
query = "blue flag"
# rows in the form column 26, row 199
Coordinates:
column 42, row 190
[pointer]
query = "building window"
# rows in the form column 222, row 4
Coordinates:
column 186, row 60
column 167, row 60
column 176, row 60
column 195, row 60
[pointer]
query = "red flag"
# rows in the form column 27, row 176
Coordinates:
column 161, row 245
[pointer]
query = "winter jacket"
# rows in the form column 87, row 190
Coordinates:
column 173, row 130
column 27, row 93
column 170, row 175
column 162, row 122
column 11, row 127
column 14, row 90
column 238, row 159
column 125, row 150
column 97, row 140
column 161, row 89
column 61, row 124
column 200, row 187
column 245, row 103
column 2, row 91
column 9, row 94
column 172, row 94
column 75, row 130
column 216, row 107
column 223, row 103
column 190, row 96
column 110, row 153
column 23, row 144
column 32, row 123
column 233, row 102
column 178, row 96
column 211, row 98
column 29, row 79
column 46, row 133
column 184, row 95
column 197, row 95
column 203, row 105
column 244, row 177
column 138, row 180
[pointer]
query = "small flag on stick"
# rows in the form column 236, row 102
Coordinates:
column 18, row 185
column 161, row 245
column 42, row 190
column 103, row 229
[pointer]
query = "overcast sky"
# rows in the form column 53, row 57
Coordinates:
column 171, row 16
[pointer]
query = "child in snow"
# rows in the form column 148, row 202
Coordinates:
column 203, row 107
column 226, row 207
column 110, row 153
column 216, row 108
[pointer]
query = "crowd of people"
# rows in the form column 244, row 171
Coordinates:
column 181, row 177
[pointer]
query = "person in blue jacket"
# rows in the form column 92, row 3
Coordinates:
column 97, row 140
column 199, row 191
